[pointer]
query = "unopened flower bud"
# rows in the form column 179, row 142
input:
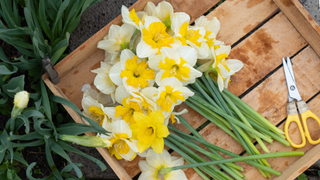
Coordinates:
column 89, row 141
column 20, row 102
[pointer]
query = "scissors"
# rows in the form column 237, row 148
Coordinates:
column 304, row 111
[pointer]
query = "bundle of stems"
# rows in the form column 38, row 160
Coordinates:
column 183, row 144
column 237, row 119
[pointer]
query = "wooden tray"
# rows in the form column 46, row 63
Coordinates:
column 261, row 33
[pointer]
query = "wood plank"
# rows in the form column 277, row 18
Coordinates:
column 302, row 20
column 270, row 99
column 238, row 17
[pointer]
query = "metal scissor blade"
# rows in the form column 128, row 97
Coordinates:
column 289, row 64
column 292, row 88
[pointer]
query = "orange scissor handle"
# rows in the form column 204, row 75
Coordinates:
column 304, row 116
column 294, row 118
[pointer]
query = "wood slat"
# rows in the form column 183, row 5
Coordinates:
column 302, row 20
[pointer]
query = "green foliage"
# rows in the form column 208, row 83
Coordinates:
column 38, row 29
column 302, row 177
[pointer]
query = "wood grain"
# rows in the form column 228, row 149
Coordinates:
column 302, row 20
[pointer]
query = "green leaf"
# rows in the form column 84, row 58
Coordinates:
column 75, row 108
column 29, row 172
column 63, row 6
column 4, row 99
column 18, row 158
column 69, row 148
column 59, row 49
column 33, row 113
column 4, row 70
column 75, row 131
column 40, row 130
column 15, row 85
column 45, row 101
column 302, row 177
column 5, row 13
column 69, row 167
column 12, row 175
column 31, row 136
column 57, row 149
column 29, row 19
column 26, row 122
column 51, row 162
column 42, row 19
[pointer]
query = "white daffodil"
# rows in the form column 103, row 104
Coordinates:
column 132, row 17
column 123, row 147
column 132, row 72
column 154, row 36
column 170, row 93
column 176, row 63
column 212, row 28
column 102, row 80
column 117, row 40
column 93, row 106
column 157, row 161
column 21, row 100
column 192, row 36
column 163, row 11
column 222, row 67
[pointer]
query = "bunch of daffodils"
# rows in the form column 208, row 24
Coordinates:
column 149, row 61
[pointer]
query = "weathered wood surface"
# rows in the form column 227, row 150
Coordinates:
column 261, row 53
column 302, row 20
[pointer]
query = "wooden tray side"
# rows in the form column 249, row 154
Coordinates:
column 302, row 21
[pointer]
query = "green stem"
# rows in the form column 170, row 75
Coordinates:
column 201, row 174
column 224, row 151
column 243, row 158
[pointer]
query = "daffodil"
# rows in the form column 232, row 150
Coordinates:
column 149, row 131
column 155, row 162
column 93, row 106
column 212, row 28
column 20, row 102
column 154, row 37
column 163, row 11
column 123, row 147
column 117, row 40
column 102, row 80
column 222, row 67
column 132, row 17
column 132, row 72
column 176, row 63
column 192, row 36
column 127, row 110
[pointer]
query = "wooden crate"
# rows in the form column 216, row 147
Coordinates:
column 261, row 33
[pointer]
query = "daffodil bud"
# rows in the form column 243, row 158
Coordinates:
column 20, row 102
column 89, row 141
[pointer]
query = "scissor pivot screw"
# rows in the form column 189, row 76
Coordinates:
column 292, row 88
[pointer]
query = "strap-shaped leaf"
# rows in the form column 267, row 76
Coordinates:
column 4, row 98
column 5, row 71
column 26, row 122
column 69, row 148
column 40, row 130
column 31, row 136
column 33, row 113
column 29, row 144
column 51, row 162
column 69, row 167
column 57, row 149
column 29, row 172
column 63, row 6
column 45, row 101
column 18, row 158
column 59, row 49
column 29, row 19
column 42, row 19
column 72, row 12
column 2, row 152
column 16, row 16
column 5, row 13
column 16, row 84
column 75, row 131
column 75, row 108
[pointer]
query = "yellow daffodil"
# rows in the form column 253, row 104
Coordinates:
column 149, row 131
column 170, row 93
column 102, row 80
column 155, row 162
column 176, row 63
column 123, row 147
column 132, row 72
column 154, row 37
column 127, row 110
column 132, row 17
column 117, row 40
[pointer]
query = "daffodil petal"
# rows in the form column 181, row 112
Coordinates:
column 121, row 93
column 189, row 54
column 144, row 50
column 148, row 175
column 234, row 65
column 142, row 147
column 157, row 117
column 162, row 131
column 158, row 145
column 114, row 74
column 157, row 160
column 176, row 161
column 177, row 175
column 144, row 166
column 149, row 8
